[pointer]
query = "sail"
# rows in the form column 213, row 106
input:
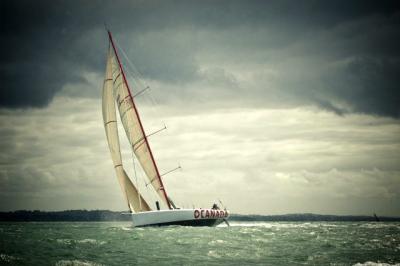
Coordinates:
column 133, row 198
column 134, row 131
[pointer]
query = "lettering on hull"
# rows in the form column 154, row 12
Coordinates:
column 209, row 214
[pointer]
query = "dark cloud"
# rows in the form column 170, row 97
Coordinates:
column 48, row 44
column 369, row 84
column 40, row 52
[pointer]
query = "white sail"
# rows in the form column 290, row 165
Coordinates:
column 134, row 131
column 134, row 200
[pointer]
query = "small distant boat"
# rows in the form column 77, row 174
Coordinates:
column 162, row 211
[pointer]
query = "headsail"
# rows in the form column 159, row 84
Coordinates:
column 133, row 198
column 133, row 127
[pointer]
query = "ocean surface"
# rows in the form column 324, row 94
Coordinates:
column 251, row 243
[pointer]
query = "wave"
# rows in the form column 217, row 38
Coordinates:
column 380, row 225
column 283, row 224
column 82, row 241
column 77, row 263
column 91, row 241
column 213, row 254
column 216, row 242
column 7, row 258
column 371, row 263
column 64, row 241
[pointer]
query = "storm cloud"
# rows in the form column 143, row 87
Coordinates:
column 341, row 56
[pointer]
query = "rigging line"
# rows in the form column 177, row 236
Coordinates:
column 130, row 124
column 151, row 193
column 141, row 92
column 150, row 190
column 170, row 171
column 130, row 64
column 136, row 82
column 137, row 182
column 141, row 83
column 141, row 140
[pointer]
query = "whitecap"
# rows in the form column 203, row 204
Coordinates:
column 278, row 225
column 371, row 263
column 216, row 242
column 64, row 241
column 91, row 241
column 7, row 258
column 380, row 225
column 76, row 263
column 213, row 253
column 251, row 224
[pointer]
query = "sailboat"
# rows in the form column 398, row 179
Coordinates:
column 159, row 211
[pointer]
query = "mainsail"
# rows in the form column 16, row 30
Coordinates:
column 116, row 82
column 133, row 198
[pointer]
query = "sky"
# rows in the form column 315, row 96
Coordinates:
column 272, row 107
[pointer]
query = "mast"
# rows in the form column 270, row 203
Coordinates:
column 140, row 122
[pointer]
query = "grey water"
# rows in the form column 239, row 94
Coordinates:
column 250, row 243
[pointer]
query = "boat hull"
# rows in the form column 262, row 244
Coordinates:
column 183, row 217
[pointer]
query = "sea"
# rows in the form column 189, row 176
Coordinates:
column 243, row 243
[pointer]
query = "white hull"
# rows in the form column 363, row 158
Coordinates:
column 185, row 217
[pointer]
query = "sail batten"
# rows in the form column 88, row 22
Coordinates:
column 133, row 127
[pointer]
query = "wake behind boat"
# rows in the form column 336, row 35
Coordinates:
column 149, row 206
